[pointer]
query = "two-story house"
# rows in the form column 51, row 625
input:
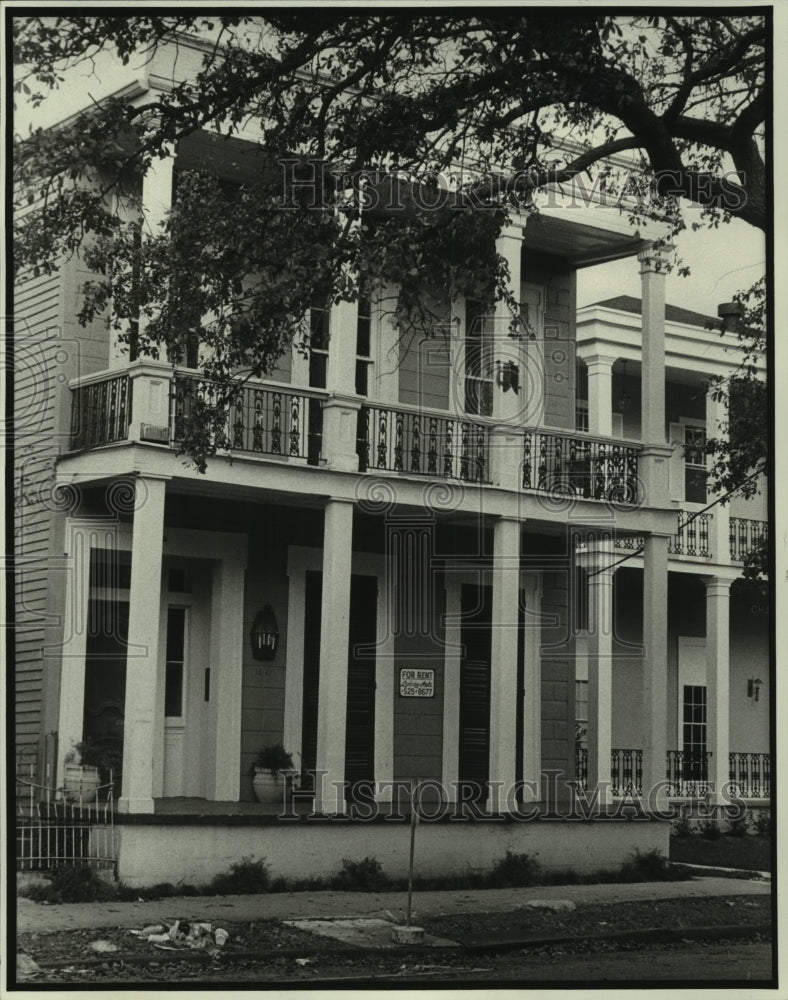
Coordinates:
column 406, row 568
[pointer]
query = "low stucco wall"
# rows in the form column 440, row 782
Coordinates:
column 195, row 853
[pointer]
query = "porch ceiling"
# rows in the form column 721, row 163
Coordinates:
column 581, row 244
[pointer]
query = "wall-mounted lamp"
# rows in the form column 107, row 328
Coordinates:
column 264, row 635
column 507, row 376
column 754, row 686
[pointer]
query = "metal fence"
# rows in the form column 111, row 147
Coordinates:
column 53, row 829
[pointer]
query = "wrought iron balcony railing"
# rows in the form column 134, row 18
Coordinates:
column 592, row 468
column 262, row 420
column 750, row 774
column 691, row 538
column 687, row 773
column 746, row 534
column 100, row 412
column 423, row 443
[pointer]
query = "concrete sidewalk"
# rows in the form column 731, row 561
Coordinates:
column 301, row 905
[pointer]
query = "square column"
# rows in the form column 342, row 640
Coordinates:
column 508, row 406
column 340, row 410
column 600, row 395
column 503, row 661
column 334, row 639
column 654, row 464
column 227, row 639
column 142, row 666
column 718, row 595
column 653, row 271
column 600, row 663
column 655, row 667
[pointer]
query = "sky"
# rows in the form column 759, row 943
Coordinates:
column 722, row 261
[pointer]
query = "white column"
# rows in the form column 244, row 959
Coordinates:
column 717, row 683
column 142, row 665
column 719, row 528
column 655, row 664
column 503, row 663
column 654, row 461
column 334, row 639
column 340, row 410
column 532, row 688
column 653, row 271
column 156, row 205
column 508, row 407
column 157, row 193
column 600, row 395
column 342, row 348
column 600, row 654
column 227, row 639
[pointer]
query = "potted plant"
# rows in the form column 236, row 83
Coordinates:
column 91, row 765
column 267, row 778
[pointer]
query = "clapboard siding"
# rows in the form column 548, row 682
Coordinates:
column 39, row 358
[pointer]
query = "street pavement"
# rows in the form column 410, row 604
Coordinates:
column 387, row 905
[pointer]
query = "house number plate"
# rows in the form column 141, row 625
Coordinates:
column 416, row 683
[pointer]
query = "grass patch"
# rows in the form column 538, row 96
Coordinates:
column 753, row 853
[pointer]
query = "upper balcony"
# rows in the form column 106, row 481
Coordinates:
column 149, row 403
column 278, row 422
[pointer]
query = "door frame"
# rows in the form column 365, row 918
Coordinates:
column 300, row 560
column 228, row 552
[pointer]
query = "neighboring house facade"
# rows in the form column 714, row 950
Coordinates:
column 706, row 554
column 403, row 570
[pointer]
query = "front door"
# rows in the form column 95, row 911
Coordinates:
column 186, row 609
column 474, row 736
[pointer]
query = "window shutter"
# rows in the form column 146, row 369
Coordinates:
column 676, row 438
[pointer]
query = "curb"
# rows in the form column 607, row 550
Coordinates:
column 721, row 932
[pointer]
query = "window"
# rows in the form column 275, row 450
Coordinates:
column 478, row 362
column 319, row 335
column 363, row 344
column 694, row 731
column 176, row 646
column 694, row 464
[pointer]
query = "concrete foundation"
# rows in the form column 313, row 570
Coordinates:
column 193, row 853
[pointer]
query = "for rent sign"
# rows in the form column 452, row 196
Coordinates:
column 416, row 683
